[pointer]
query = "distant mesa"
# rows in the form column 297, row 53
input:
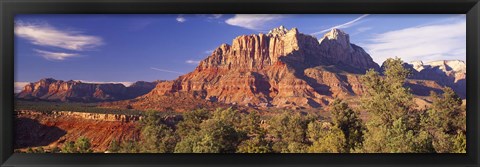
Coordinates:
column 283, row 68
column 49, row 89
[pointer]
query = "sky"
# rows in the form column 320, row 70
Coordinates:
column 128, row 48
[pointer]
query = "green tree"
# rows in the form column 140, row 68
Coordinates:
column 288, row 130
column 446, row 118
column 114, row 146
column 386, row 97
column 191, row 123
column 460, row 143
column 129, row 146
column 347, row 120
column 83, row 145
column 217, row 136
column 330, row 140
column 255, row 144
column 187, row 143
column 69, row 147
column 394, row 124
column 446, row 113
column 255, row 135
column 156, row 136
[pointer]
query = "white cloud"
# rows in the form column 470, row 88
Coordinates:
column 344, row 25
column 444, row 41
column 58, row 56
column 253, row 21
column 164, row 70
column 181, row 19
column 195, row 62
column 46, row 35
column 103, row 82
column 18, row 86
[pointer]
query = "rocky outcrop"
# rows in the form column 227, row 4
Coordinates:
column 336, row 46
column 451, row 73
column 75, row 91
column 50, row 130
column 283, row 68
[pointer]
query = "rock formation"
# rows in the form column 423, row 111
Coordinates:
column 451, row 73
column 283, row 68
column 75, row 91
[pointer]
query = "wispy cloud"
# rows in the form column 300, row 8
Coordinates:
column 103, row 82
column 56, row 56
column 253, row 21
column 18, row 86
column 443, row 41
column 344, row 25
column 164, row 70
column 181, row 19
column 195, row 62
column 46, row 35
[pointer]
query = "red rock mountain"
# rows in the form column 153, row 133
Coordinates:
column 75, row 91
column 283, row 68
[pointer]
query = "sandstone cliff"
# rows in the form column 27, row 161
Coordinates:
column 283, row 68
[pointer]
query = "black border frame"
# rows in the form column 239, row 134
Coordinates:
column 9, row 8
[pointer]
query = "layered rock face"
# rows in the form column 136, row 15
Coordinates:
column 451, row 73
column 33, row 129
column 336, row 46
column 283, row 68
column 75, row 91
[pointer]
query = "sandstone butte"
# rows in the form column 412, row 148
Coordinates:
column 283, row 68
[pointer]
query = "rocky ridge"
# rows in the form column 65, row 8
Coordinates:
column 76, row 91
column 451, row 73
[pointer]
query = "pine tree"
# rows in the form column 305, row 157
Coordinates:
column 288, row 129
column 394, row 124
column 331, row 140
column 156, row 136
column 446, row 118
column 114, row 146
column 347, row 120
column 83, row 145
column 69, row 147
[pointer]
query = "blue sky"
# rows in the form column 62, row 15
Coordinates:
column 128, row 48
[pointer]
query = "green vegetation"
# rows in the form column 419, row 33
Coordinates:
column 446, row 119
column 394, row 126
column 48, row 107
column 82, row 145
